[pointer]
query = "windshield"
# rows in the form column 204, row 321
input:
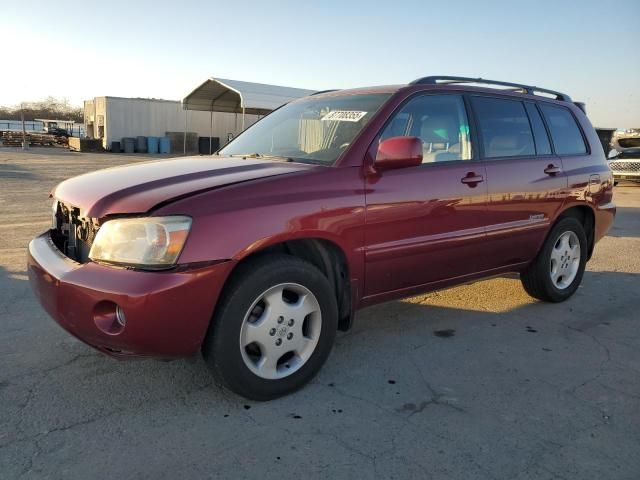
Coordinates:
column 314, row 130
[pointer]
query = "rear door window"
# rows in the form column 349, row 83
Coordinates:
column 503, row 127
column 543, row 147
column 565, row 133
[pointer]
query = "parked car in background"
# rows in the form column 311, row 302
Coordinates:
column 58, row 132
column 606, row 136
column 624, row 158
column 336, row 201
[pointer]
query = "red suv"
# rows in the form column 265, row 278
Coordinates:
column 336, row 201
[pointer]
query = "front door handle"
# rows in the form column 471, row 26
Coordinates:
column 472, row 179
column 552, row 169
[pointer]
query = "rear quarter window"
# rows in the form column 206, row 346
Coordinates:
column 565, row 133
column 543, row 146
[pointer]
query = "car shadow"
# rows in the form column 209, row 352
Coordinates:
column 84, row 379
column 626, row 223
column 12, row 171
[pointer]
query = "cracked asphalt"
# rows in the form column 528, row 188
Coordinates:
column 475, row 382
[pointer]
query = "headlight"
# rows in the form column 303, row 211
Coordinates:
column 152, row 242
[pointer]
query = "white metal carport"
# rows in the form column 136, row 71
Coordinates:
column 235, row 96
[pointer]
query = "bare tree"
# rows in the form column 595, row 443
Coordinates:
column 50, row 107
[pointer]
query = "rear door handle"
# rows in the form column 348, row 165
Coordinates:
column 472, row 179
column 552, row 169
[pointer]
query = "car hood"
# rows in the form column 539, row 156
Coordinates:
column 139, row 187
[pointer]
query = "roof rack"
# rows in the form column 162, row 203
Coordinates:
column 323, row 91
column 528, row 89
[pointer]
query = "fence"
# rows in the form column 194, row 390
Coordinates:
column 33, row 126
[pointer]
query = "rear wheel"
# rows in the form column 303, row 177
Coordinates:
column 274, row 327
column 557, row 271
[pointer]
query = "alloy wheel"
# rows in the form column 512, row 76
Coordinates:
column 565, row 260
column 280, row 331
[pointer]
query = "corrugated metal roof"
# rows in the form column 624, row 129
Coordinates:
column 223, row 95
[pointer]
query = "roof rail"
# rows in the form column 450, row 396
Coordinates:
column 323, row 91
column 528, row 89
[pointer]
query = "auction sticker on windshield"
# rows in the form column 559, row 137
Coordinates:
column 343, row 116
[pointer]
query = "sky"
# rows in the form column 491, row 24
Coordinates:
column 164, row 49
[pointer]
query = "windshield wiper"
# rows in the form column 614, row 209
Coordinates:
column 260, row 155
column 247, row 155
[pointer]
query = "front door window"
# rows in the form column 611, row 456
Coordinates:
column 440, row 121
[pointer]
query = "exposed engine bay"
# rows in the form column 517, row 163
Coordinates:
column 72, row 234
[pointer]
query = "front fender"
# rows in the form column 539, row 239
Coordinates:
column 239, row 220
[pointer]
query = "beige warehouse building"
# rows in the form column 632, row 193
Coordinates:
column 217, row 108
column 113, row 118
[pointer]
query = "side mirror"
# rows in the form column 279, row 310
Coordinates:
column 613, row 154
column 398, row 152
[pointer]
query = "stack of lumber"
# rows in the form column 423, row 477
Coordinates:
column 14, row 139
column 61, row 140
column 85, row 144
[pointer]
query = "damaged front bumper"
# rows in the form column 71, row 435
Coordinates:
column 123, row 312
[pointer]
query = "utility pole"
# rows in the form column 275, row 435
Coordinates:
column 25, row 144
column 184, row 137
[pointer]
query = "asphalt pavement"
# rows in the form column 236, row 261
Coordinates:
column 474, row 382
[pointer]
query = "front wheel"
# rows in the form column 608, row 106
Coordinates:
column 557, row 271
column 274, row 327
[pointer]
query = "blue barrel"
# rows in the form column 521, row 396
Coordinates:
column 165, row 145
column 129, row 144
column 152, row 144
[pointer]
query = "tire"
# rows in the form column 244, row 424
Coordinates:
column 538, row 280
column 262, row 297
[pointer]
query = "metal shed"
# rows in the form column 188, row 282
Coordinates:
column 235, row 96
